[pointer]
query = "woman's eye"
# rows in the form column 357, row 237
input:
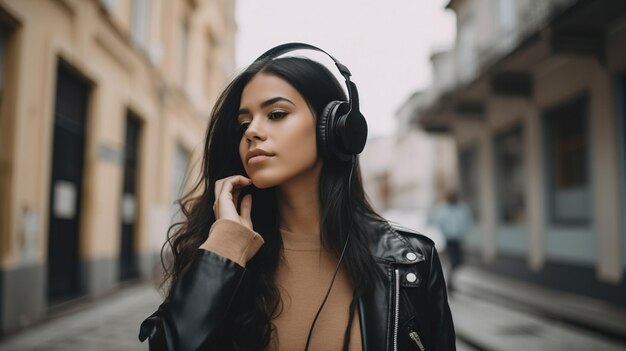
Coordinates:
column 243, row 126
column 277, row 114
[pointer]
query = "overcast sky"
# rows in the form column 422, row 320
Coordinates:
column 385, row 44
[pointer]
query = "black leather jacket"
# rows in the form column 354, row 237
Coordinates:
column 409, row 310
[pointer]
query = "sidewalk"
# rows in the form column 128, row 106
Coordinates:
column 496, row 313
column 110, row 324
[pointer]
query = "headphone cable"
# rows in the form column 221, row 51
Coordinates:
column 343, row 251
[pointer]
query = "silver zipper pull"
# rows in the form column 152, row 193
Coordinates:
column 416, row 338
column 397, row 310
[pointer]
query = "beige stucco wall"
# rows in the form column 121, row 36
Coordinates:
column 123, row 77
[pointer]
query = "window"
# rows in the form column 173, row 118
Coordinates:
column 622, row 111
column 567, row 149
column 467, row 50
column 3, row 45
column 183, row 46
column 622, row 108
column 470, row 178
column 4, row 174
column 139, row 22
column 384, row 189
column 506, row 17
column 109, row 5
column 510, row 176
column 177, row 183
column 209, row 64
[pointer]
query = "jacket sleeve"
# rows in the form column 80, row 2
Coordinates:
column 442, row 326
column 199, row 302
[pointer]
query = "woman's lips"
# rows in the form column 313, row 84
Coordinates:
column 257, row 159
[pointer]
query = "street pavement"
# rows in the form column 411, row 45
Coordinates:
column 493, row 313
column 112, row 323
column 491, row 326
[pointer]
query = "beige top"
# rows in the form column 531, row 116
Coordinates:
column 303, row 278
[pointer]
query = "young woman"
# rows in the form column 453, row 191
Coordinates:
column 280, row 248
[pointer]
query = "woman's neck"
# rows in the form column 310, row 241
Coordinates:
column 299, row 204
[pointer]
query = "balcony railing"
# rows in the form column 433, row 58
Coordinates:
column 530, row 20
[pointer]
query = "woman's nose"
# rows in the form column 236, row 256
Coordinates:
column 255, row 130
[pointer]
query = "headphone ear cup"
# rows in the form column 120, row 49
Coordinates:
column 329, row 146
column 325, row 129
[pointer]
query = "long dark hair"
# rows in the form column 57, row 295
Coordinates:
column 343, row 208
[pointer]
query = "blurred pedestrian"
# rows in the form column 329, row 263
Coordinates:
column 454, row 219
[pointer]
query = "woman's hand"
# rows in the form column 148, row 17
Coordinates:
column 226, row 195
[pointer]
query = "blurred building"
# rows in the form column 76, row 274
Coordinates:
column 533, row 94
column 103, row 107
column 405, row 172
column 375, row 164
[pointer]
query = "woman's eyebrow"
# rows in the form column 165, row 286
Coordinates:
column 266, row 103
column 274, row 100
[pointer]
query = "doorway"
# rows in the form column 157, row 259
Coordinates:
column 128, row 257
column 70, row 112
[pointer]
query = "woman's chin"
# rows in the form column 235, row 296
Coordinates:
column 262, row 183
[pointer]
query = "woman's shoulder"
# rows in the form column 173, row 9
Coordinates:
column 393, row 240
column 412, row 234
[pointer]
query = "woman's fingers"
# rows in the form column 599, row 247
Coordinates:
column 226, row 192
column 246, row 208
column 229, row 185
column 219, row 184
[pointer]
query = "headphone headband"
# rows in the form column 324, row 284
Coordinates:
column 342, row 129
column 285, row 48
column 345, row 72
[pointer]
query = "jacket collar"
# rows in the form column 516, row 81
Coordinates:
column 389, row 246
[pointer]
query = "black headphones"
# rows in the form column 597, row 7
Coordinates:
column 341, row 128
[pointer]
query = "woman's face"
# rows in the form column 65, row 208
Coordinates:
column 277, row 121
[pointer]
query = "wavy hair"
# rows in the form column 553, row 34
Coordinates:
column 343, row 208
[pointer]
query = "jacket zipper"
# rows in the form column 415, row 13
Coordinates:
column 397, row 310
column 416, row 338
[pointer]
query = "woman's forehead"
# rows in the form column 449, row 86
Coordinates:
column 263, row 87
